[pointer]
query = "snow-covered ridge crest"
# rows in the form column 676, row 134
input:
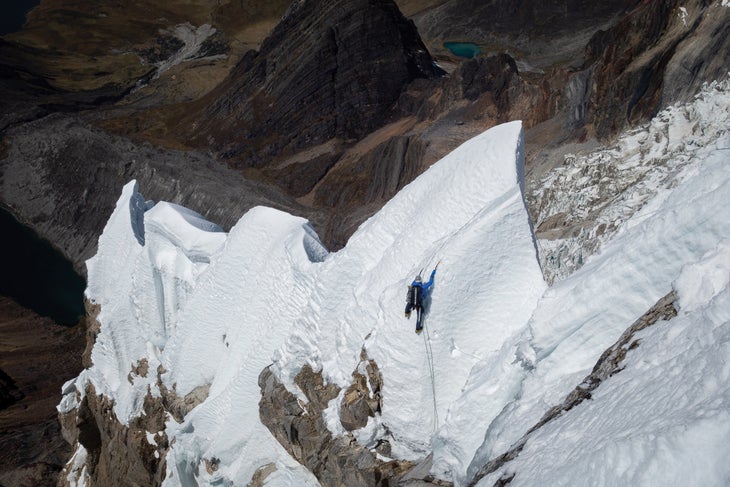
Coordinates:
column 188, row 311
column 206, row 309
column 186, row 307
column 148, row 261
column 468, row 212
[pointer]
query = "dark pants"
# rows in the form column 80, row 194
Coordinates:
column 419, row 314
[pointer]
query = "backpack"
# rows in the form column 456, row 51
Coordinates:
column 414, row 295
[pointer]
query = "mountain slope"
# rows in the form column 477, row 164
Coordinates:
column 208, row 311
column 235, row 300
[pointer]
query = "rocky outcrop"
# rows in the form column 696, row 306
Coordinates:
column 108, row 452
column 335, row 460
column 330, row 69
column 608, row 364
column 651, row 51
column 115, row 454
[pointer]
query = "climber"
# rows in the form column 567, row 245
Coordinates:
column 417, row 293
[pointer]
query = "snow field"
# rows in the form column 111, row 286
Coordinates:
column 582, row 315
column 663, row 419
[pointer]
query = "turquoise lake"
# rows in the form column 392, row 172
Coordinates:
column 463, row 49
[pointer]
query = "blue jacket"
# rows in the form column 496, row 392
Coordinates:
column 425, row 286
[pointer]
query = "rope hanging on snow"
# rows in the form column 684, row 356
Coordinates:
column 429, row 357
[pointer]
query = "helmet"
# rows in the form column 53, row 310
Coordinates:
column 418, row 278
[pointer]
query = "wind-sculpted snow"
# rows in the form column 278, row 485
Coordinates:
column 581, row 316
column 664, row 418
column 243, row 308
column 211, row 309
column 142, row 289
column 466, row 211
column 207, row 307
column 208, row 311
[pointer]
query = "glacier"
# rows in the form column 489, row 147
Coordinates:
column 209, row 310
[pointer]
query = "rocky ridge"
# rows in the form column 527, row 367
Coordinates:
column 348, row 171
column 328, row 70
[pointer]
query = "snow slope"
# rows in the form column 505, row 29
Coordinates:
column 212, row 309
column 581, row 316
column 499, row 348
column 467, row 211
column 662, row 420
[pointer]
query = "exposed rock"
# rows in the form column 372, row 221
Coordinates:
column 607, row 365
column 9, row 392
column 178, row 406
column 652, row 52
column 420, row 476
column 301, row 429
column 93, row 327
column 330, row 69
column 37, row 357
column 259, row 477
column 375, row 176
column 117, row 454
column 362, row 400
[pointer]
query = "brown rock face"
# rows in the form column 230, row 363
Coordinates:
column 301, row 428
column 632, row 60
column 360, row 403
column 36, row 358
column 330, row 69
column 117, row 454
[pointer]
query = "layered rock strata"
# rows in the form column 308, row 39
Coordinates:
column 329, row 70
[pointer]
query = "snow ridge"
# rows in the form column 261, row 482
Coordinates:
column 467, row 211
column 206, row 310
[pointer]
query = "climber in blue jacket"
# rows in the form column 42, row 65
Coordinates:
column 417, row 293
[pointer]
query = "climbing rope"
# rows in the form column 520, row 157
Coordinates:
column 429, row 357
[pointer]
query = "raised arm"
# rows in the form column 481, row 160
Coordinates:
column 430, row 280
